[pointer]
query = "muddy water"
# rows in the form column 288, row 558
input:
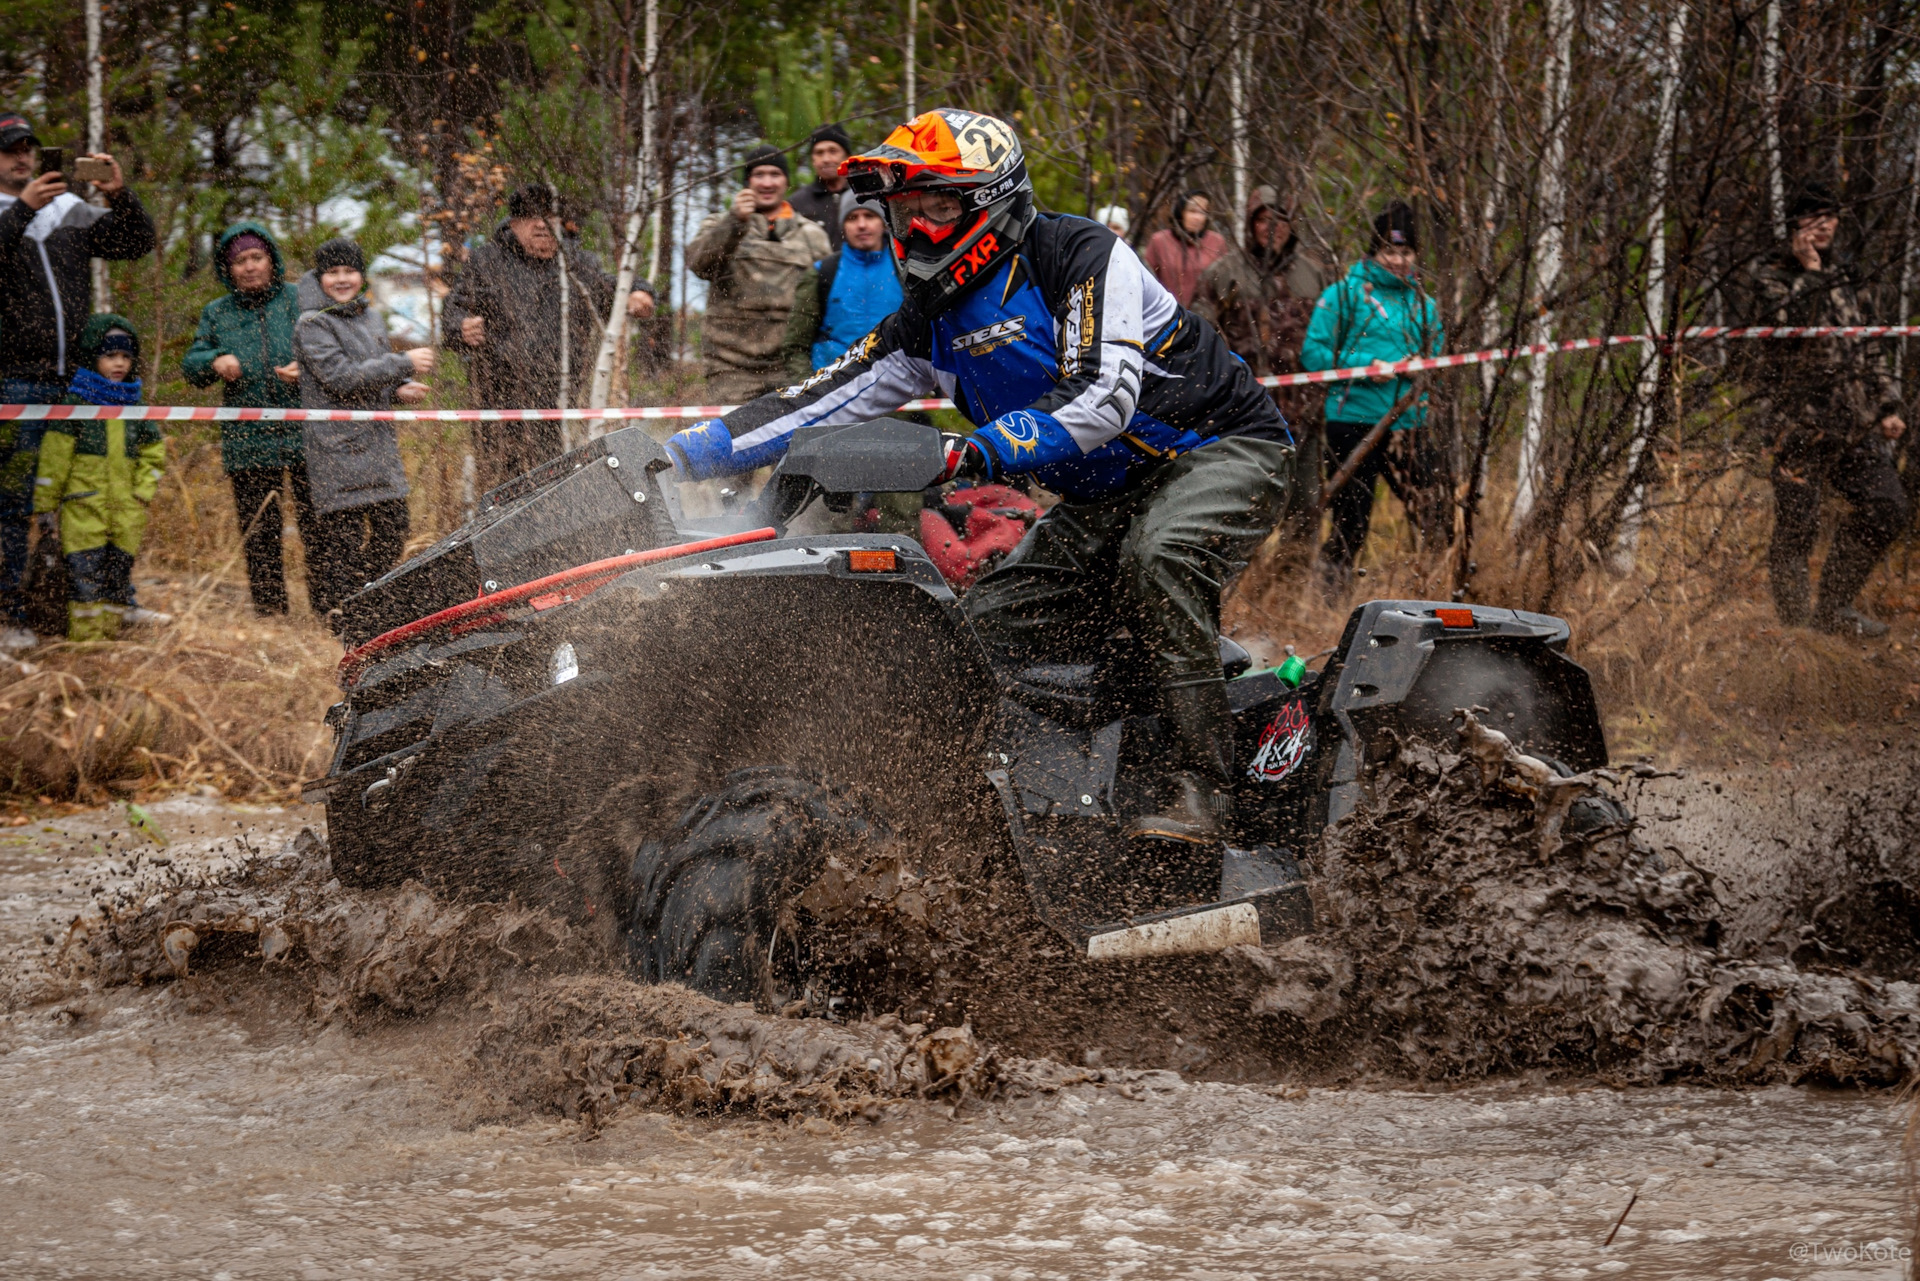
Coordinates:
column 203, row 1129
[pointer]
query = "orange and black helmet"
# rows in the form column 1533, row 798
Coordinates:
column 975, row 159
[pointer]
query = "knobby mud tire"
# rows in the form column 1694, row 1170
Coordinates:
column 707, row 901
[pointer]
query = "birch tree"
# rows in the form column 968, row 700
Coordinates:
column 1551, row 198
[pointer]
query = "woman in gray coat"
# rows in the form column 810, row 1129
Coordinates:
column 359, row 484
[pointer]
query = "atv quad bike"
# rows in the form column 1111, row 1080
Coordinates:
column 667, row 723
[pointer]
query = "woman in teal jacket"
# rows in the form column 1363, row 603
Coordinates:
column 1378, row 313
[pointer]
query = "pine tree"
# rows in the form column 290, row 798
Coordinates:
column 328, row 169
column 795, row 95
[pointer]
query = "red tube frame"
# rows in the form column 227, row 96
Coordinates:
column 354, row 661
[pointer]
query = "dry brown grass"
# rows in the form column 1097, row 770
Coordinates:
column 221, row 699
column 1687, row 658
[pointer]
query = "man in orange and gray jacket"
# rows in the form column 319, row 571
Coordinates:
column 754, row 254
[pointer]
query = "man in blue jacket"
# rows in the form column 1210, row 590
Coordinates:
column 1078, row 368
column 1376, row 315
column 846, row 294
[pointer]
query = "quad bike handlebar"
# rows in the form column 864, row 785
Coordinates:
column 880, row 456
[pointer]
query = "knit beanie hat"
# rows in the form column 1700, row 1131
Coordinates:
column 830, row 133
column 1269, row 197
column 106, row 331
column 339, row 252
column 762, row 156
column 1395, row 226
column 1811, row 200
column 850, row 202
column 535, row 200
column 117, row 339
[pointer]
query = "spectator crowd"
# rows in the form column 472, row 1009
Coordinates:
column 795, row 278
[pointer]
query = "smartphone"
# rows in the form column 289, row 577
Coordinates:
column 87, row 169
column 53, row 160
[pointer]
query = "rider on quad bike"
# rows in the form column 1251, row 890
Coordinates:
column 1077, row 367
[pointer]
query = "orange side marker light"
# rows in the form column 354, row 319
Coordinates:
column 867, row 560
column 1454, row 617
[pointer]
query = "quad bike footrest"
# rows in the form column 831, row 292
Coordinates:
column 1264, row 900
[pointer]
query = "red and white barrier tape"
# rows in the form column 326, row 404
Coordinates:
column 227, row 414
column 1587, row 344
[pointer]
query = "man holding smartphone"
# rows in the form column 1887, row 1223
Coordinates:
column 1834, row 410
column 48, row 237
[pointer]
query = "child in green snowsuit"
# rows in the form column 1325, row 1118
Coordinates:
column 97, row 477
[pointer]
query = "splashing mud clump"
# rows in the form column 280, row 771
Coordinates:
column 403, row 952
column 1459, row 941
column 554, row 1031
column 585, row 1044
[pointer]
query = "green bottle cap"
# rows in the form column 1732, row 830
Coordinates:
column 1291, row 671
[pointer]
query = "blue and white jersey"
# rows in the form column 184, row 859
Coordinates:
column 1072, row 361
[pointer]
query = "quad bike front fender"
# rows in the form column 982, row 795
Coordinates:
column 843, row 654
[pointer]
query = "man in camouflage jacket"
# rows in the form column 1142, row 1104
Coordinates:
column 1834, row 414
column 754, row 256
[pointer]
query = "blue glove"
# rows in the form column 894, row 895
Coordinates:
column 1023, row 441
column 702, row 451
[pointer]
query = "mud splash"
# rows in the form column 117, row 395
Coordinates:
column 206, row 1124
column 1457, row 945
column 587, row 1044
column 1473, row 922
column 1472, row 925
column 1863, row 909
column 403, row 953
column 559, row 1033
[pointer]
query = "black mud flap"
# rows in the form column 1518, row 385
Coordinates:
column 1402, row 667
column 1263, row 896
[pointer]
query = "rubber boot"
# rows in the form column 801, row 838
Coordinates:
column 1202, row 728
column 93, row 621
column 1851, row 622
column 1848, row 567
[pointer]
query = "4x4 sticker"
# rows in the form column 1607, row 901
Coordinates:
column 1284, row 743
